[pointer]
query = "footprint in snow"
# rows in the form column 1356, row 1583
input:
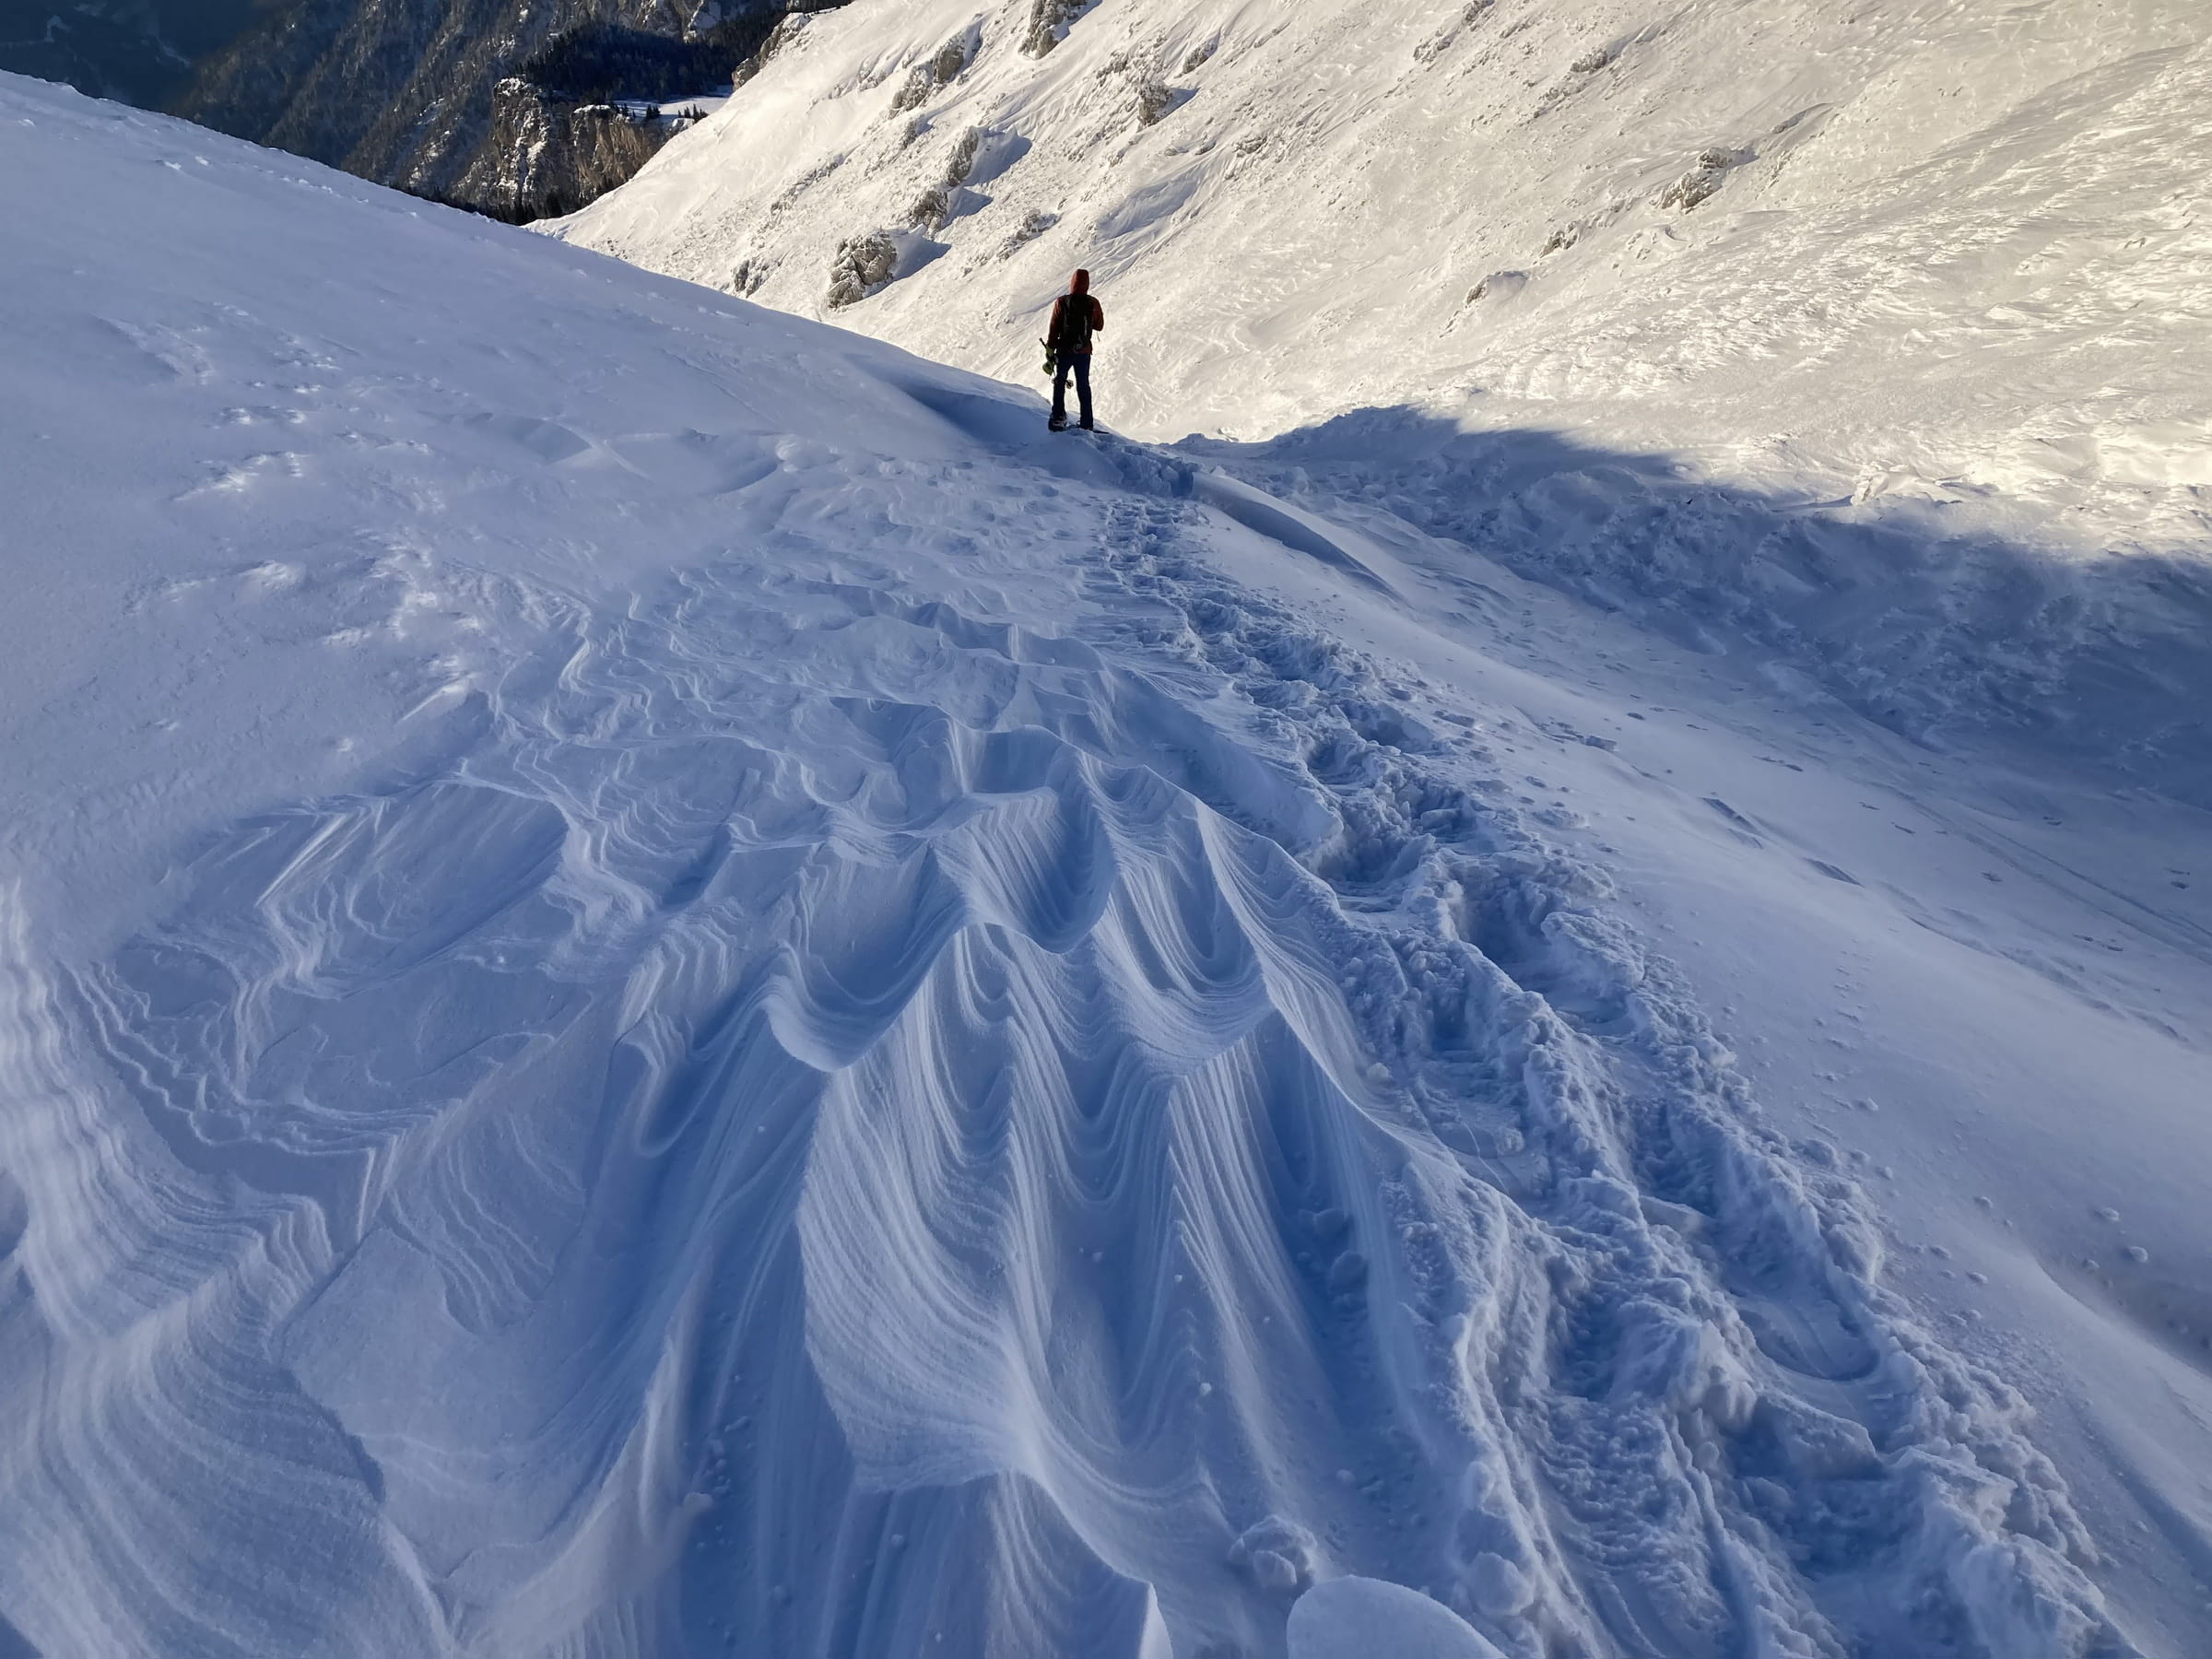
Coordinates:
column 1742, row 825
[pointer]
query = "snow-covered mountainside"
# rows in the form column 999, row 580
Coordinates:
column 670, row 986
column 1953, row 248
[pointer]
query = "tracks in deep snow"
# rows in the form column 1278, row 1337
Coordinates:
column 829, row 1122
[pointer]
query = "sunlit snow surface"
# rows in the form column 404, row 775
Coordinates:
column 671, row 987
column 1947, row 249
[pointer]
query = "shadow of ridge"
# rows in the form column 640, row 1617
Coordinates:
column 1935, row 627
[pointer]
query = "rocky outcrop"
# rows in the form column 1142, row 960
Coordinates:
column 546, row 155
column 511, row 108
column 863, row 265
column 1049, row 23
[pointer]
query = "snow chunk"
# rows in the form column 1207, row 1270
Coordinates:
column 1369, row 1619
column 1499, row 1588
column 1277, row 1553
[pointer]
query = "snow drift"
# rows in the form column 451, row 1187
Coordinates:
column 670, row 988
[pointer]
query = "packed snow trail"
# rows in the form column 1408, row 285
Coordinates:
column 1940, row 630
column 671, row 987
column 1958, row 927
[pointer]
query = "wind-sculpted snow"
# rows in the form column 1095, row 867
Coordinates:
column 873, row 1057
column 834, row 1124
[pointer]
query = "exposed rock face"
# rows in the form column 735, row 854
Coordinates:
column 863, row 265
column 545, row 156
column 1049, row 22
column 516, row 109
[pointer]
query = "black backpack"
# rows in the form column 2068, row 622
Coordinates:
column 1071, row 325
column 1068, row 333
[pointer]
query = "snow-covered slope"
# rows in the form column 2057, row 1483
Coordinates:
column 671, row 987
column 1942, row 247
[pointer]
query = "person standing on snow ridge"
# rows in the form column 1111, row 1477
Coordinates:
column 1077, row 315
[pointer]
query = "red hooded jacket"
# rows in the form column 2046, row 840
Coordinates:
column 1077, row 315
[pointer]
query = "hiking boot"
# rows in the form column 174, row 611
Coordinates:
column 1058, row 423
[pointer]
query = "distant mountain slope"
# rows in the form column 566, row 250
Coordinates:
column 500, row 105
column 1945, row 247
column 140, row 52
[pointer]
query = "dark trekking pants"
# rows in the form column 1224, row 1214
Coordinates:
column 1080, row 362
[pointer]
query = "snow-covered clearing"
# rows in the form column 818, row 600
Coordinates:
column 670, row 986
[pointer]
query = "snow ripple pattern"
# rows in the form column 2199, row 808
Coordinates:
column 834, row 1126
